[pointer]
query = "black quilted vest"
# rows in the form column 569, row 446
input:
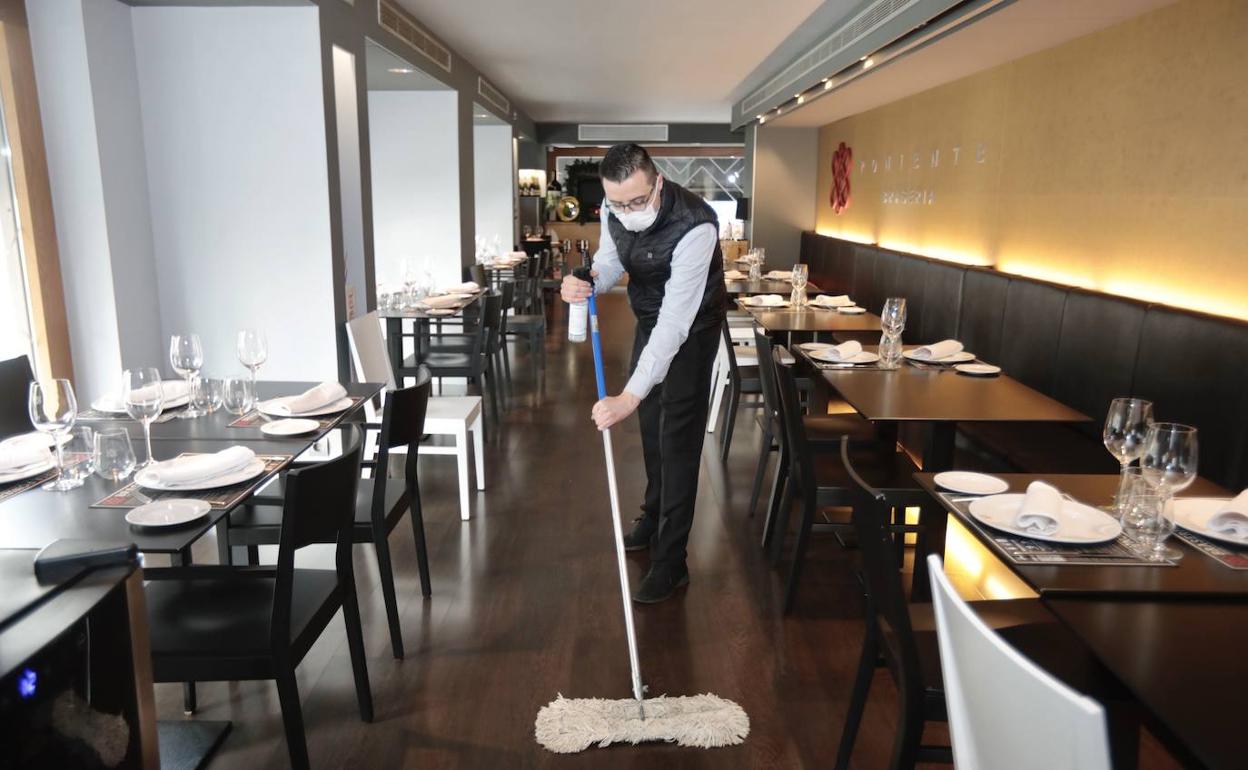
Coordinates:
column 647, row 256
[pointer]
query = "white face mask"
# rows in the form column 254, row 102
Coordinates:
column 636, row 221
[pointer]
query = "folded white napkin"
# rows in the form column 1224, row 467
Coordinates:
column 19, row 454
column 843, row 351
column 313, row 398
column 464, row 288
column 830, row 300
column 1040, row 513
column 766, row 300
column 185, row 470
column 734, row 275
column 517, row 255
column 1231, row 520
column 444, row 300
column 938, row 350
column 780, row 275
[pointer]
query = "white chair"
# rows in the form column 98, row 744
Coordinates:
column 454, row 416
column 1004, row 710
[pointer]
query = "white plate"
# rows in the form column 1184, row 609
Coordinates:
column 956, row 358
column 253, row 469
column 441, row 311
column 978, row 370
column 26, row 471
column 267, row 407
column 114, row 404
column 1080, row 524
column 37, row 438
column 749, row 301
column 969, row 483
column 851, row 310
column 289, row 427
column 173, row 512
column 1193, row 514
column 865, row 357
column 812, row 346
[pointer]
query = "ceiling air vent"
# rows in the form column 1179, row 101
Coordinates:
column 394, row 19
column 622, row 132
column 492, row 95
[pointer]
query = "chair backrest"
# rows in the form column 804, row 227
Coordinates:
column 507, row 294
column 1004, row 710
column 369, row 357
column 15, row 378
column 478, row 275
column 801, row 469
column 886, row 599
column 767, row 376
column 730, row 353
column 402, row 424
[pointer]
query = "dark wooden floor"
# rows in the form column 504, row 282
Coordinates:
column 525, row 606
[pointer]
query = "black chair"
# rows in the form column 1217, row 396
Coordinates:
column 465, row 355
column 742, row 380
column 903, row 635
column 820, row 480
column 226, row 623
column 477, row 275
column 529, row 320
column 379, row 503
column 15, row 379
column 508, row 293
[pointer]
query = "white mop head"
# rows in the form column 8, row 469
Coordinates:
column 569, row 725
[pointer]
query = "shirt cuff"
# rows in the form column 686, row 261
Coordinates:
column 639, row 386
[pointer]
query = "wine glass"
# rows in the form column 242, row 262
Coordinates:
column 253, row 350
column 893, row 316
column 799, row 276
column 186, row 356
column 53, row 410
column 238, row 395
column 1126, row 426
column 114, row 454
column 145, row 397
column 1169, row 463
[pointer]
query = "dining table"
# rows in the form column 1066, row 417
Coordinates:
column 1172, row 633
column 809, row 321
column 422, row 318
column 746, row 287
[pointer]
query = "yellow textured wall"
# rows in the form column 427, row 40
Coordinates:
column 1117, row 161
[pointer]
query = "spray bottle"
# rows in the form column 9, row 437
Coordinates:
column 578, row 312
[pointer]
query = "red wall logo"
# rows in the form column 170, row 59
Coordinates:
column 842, row 161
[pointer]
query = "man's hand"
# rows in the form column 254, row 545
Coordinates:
column 576, row 290
column 613, row 409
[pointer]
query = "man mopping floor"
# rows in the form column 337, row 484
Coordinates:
column 667, row 240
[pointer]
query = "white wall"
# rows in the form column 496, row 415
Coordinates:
column 494, row 182
column 347, row 120
column 233, row 116
column 415, row 170
column 783, row 173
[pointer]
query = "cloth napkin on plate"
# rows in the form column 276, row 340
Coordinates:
column 170, row 390
column 766, row 300
column 780, row 275
column 734, row 275
column 829, row 300
column 842, row 352
column 463, row 288
column 442, row 301
column 938, row 350
column 313, row 398
column 186, row 470
column 1040, row 513
column 21, row 453
column 1231, row 520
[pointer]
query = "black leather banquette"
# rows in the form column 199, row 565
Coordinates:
column 1080, row 347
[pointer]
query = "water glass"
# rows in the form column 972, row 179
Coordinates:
column 144, row 396
column 114, row 454
column 238, row 395
column 1131, row 487
column 890, row 351
column 893, row 316
column 1156, row 516
column 186, row 356
column 206, row 394
column 253, row 350
column 761, row 254
column 79, row 454
column 53, row 410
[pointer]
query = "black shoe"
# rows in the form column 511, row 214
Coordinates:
column 643, row 532
column 661, row 583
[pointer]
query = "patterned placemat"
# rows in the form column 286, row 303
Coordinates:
column 1025, row 551
column 132, row 495
column 255, row 418
column 15, row 488
column 1226, row 555
column 95, row 415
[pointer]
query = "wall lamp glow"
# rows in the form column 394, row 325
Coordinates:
column 867, row 63
column 401, row 70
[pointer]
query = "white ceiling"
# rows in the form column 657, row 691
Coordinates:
column 1025, row 27
column 674, row 61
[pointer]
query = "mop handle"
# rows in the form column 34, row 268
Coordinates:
column 633, row 660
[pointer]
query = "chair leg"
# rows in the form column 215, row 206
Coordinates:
column 511, row 385
column 292, row 719
column 858, row 695
column 418, row 532
column 909, row 730
column 355, row 646
column 461, row 467
column 781, row 528
column 387, row 591
column 799, row 554
column 189, row 701
column 764, row 454
column 478, row 452
column 773, row 500
column 730, row 417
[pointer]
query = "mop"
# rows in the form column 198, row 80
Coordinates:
column 569, row 725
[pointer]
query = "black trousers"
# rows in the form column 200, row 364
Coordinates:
column 673, row 426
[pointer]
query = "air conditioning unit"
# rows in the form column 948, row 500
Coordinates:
column 621, row 132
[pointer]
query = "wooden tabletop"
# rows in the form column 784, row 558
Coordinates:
column 1196, row 574
column 911, row 394
column 1184, row 661
column 766, row 286
column 784, row 319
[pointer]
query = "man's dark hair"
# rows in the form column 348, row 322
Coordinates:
column 623, row 160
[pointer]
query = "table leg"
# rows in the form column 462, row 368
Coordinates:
column 933, row 518
column 180, row 559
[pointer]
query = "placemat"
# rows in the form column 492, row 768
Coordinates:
column 96, row 415
column 15, row 488
column 132, row 495
column 1227, row 556
column 1025, row 551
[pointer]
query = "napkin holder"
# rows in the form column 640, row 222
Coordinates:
column 62, row 560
